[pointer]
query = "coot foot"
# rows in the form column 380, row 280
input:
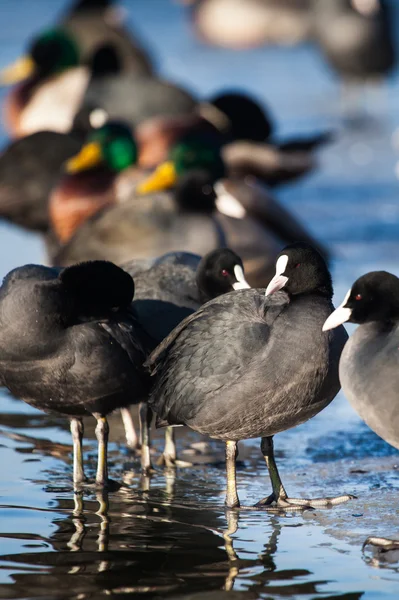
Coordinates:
column 302, row 503
column 279, row 498
column 383, row 543
column 169, row 457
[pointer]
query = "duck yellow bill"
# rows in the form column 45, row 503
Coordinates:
column 163, row 178
column 89, row 157
column 19, row 70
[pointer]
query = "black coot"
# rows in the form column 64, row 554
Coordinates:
column 70, row 344
column 173, row 287
column 250, row 365
column 369, row 365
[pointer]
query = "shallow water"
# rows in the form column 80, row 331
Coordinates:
column 168, row 537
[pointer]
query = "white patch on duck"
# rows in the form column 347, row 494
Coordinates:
column 54, row 105
column 98, row 117
column 227, row 204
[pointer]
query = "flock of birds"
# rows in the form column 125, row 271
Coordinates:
column 162, row 230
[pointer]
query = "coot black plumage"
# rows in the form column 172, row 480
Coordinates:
column 172, row 288
column 70, row 344
column 368, row 367
column 247, row 365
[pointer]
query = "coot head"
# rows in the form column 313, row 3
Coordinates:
column 219, row 272
column 300, row 269
column 373, row 297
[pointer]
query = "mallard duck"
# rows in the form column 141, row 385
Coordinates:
column 54, row 76
column 247, row 131
column 355, row 37
column 235, row 24
column 52, row 88
column 186, row 204
column 91, row 179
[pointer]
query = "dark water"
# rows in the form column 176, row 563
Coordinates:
column 170, row 537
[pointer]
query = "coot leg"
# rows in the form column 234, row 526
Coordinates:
column 279, row 496
column 77, row 436
column 132, row 441
column 102, row 431
column 232, row 500
column 168, row 457
column 383, row 543
column 145, row 425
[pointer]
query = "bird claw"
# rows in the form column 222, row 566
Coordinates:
column 286, row 503
column 171, row 463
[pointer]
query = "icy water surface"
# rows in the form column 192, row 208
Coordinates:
column 171, row 537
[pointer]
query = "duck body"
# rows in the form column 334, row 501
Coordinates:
column 135, row 99
column 62, row 357
column 48, row 105
column 203, row 384
column 237, row 25
column 368, row 372
column 355, row 37
column 29, row 168
column 92, row 28
column 142, row 227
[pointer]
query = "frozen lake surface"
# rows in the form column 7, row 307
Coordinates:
column 167, row 538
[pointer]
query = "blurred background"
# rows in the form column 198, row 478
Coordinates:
column 159, row 541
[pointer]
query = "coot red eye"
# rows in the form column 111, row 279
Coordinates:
column 298, row 265
column 225, row 273
column 358, row 297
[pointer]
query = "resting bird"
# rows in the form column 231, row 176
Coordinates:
column 247, row 365
column 368, row 368
column 167, row 290
column 70, row 344
column 355, row 37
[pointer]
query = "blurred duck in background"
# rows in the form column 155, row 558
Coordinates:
column 238, row 25
column 94, row 23
column 249, row 141
column 56, row 71
column 355, row 37
column 118, row 94
column 188, row 202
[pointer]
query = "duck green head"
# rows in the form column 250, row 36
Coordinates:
column 192, row 153
column 111, row 145
column 50, row 53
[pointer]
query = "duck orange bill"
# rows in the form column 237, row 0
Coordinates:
column 163, row 178
column 19, row 70
column 89, row 157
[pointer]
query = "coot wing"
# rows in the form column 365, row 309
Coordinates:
column 209, row 350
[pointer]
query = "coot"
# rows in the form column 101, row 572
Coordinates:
column 249, row 365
